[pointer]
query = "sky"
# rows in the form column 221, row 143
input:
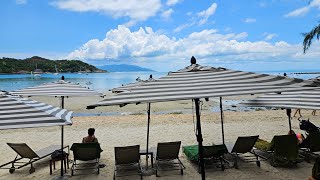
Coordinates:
column 251, row 35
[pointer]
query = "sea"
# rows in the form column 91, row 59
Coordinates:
column 100, row 82
column 103, row 82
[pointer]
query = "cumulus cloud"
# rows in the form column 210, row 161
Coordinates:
column 303, row 10
column 21, row 2
column 269, row 36
column 153, row 49
column 172, row 2
column 133, row 9
column 207, row 13
column 249, row 20
column 167, row 14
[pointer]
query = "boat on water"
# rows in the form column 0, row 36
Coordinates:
column 56, row 73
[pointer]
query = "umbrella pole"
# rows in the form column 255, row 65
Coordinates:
column 62, row 158
column 221, row 116
column 199, row 139
column 147, row 150
column 289, row 118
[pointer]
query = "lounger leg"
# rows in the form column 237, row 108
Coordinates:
column 50, row 164
column 65, row 165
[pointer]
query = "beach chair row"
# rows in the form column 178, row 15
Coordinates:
column 282, row 150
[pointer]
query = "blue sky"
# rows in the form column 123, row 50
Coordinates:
column 253, row 35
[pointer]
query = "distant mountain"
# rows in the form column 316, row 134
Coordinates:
column 123, row 68
column 11, row 65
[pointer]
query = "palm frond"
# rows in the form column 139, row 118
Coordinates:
column 308, row 37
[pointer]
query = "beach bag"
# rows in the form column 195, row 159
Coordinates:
column 316, row 169
column 58, row 154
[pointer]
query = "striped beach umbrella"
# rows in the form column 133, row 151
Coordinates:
column 196, row 82
column 17, row 112
column 288, row 100
column 60, row 89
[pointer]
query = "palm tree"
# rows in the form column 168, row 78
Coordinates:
column 308, row 37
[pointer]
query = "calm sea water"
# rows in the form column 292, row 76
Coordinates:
column 100, row 82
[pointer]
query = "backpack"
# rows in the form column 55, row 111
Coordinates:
column 58, row 154
column 316, row 169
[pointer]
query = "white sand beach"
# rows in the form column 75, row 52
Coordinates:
column 124, row 130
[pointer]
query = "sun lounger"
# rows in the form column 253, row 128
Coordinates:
column 243, row 148
column 311, row 146
column 88, row 154
column 25, row 152
column 282, row 151
column 127, row 161
column 211, row 154
column 167, row 157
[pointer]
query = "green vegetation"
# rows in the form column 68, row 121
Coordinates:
column 11, row 65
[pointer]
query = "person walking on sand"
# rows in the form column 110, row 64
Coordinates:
column 313, row 112
column 297, row 111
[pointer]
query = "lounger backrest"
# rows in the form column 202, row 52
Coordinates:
column 286, row 146
column 86, row 151
column 214, row 151
column 127, row 154
column 244, row 144
column 168, row 150
column 314, row 140
column 23, row 150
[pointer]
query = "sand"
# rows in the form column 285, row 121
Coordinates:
column 124, row 130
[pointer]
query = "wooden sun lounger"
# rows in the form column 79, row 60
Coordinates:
column 25, row 152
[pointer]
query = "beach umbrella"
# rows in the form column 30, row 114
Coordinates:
column 196, row 82
column 128, row 87
column 309, row 99
column 17, row 112
column 60, row 89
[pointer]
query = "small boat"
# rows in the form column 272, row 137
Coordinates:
column 56, row 73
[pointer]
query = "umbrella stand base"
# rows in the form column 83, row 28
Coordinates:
column 64, row 177
column 148, row 171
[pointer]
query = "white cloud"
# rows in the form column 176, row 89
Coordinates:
column 249, row 20
column 207, row 13
column 304, row 10
column 298, row 12
column 21, row 2
column 167, row 14
column 153, row 49
column 269, row 36
column 182, row 27
column 133, row 9
column 172, row 2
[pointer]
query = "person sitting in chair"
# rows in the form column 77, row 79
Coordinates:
column 299, row 136
column 90, row 138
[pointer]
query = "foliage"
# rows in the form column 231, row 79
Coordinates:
column 11, row 65
column 308, row 37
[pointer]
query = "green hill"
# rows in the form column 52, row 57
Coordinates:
column 11, row 65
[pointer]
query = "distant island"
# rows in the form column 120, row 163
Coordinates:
column 123, row 68
column 41, row 65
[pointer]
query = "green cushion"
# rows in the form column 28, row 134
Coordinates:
column 262, row 145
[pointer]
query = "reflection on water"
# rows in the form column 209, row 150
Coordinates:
column 100, row 82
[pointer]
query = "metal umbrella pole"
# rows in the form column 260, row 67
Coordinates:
column 147, row 150
column 289, row 118
column 221, row 116
column 199, row 139
column 62, row 158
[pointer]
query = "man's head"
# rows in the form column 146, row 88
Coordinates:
column 91, row 131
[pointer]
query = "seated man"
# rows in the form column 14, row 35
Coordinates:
column 90, row 138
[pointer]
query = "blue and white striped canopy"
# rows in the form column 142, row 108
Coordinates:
column 197, row 81
column 17, row 112
column 288, row 100
column 58, row 88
